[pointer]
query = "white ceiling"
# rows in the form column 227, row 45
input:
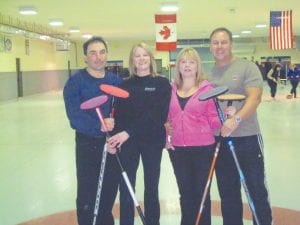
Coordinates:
column 134, row 19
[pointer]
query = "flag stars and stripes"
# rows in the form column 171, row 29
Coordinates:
column 281, row 30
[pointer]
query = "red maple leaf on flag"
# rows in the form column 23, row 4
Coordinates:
column 165, row 32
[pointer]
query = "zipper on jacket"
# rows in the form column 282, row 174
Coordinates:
column 182, row 127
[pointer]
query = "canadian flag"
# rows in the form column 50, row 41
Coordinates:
column 166, row 35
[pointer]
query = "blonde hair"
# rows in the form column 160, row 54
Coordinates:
column 189, row 53
column 132, row 68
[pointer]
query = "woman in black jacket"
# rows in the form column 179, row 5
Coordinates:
column 140, row 130
column 273, row 77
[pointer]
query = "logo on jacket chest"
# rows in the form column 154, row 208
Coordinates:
column 150, row 89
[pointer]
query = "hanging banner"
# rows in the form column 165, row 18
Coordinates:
column 166, row 35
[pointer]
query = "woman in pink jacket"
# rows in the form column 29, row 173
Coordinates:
column 191, row 142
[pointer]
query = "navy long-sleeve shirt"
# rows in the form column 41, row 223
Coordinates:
column 294, row 75
column 79, row 88
column 144, row 113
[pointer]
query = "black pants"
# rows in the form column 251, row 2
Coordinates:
column 88, row 162
column 249, row 153
column 294, row 84
column 273, row 87
column 191, row 167
column 150, row 154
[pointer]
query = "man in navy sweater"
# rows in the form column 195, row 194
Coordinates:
column 89, row 138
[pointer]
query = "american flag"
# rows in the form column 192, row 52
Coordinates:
column 281, row 30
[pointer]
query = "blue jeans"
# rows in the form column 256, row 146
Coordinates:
column 150, row 154
column 88, row 160
column 250, row 156
column 191, row 167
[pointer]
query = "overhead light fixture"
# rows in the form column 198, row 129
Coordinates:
column 235, row 36
column 87, row 36
column 45, row 37
column 56, row 22
column 19, row 31
column 246, row 32
column 27, row 10
column 74, row 30
column 261, row 25
column 169, row 7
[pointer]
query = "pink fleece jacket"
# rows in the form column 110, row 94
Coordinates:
column 193, row 126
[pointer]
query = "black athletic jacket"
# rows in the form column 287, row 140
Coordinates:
column 144, row 113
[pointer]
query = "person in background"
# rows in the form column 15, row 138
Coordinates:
column 241, row 77
column 190, row 129
column 273, row 78
column 262, row 69
column 268, row 66
column 294, row 77
column 89, row 138
column 140, row 131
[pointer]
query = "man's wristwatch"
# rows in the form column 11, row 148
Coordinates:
column 237, row 119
